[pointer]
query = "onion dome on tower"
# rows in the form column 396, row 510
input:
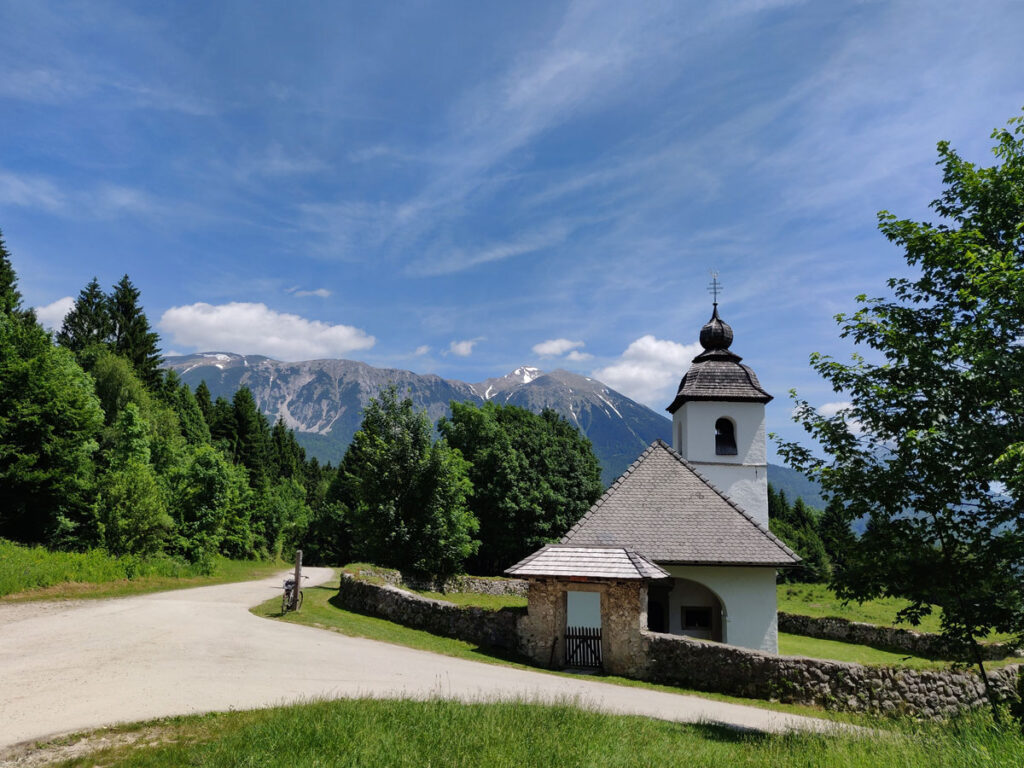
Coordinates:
column 717, row 373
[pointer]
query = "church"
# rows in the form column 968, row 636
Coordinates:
column 680, row 542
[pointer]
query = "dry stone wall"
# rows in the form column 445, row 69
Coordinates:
column 917, row 643
column 683, row 661
column 474, row 625
column 706, row 666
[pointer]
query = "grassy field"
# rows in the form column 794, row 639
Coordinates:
column 384, row 733
column 818, row 600
column 35, row 573
column 491, row 602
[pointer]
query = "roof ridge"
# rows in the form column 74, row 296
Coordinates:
column 771, row 536
column 610, row 490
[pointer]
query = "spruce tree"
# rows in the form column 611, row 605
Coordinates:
column 88, row 323
column 132, row 337
column 204, row 401
column 10, row 296
column 252, row 436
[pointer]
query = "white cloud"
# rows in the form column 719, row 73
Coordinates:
column 555, row 347
column 464, row 348
column 323, row 293
column 576, row 356
column 52, row 315
column 829, row 410
column 248, row 328
column 649, row 370
column 422, row 350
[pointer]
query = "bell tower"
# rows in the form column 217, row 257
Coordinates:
column 718, row 419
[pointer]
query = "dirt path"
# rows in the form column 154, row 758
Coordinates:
column 69, row 667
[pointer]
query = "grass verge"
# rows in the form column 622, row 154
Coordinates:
column 400, row 733
column 35, row 573
column 321, row 609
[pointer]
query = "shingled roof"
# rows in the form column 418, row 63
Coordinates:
column 591, row 562
column 716, row 373
column 665, row 510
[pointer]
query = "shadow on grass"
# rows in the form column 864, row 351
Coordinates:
column 727, row 734
column 490, row 652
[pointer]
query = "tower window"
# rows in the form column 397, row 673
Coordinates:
column 725, row 438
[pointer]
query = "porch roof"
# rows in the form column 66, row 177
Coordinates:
column 591, row 562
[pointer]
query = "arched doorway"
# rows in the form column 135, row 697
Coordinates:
column 695, row 611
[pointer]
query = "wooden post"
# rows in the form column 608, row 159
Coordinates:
column 298, row 579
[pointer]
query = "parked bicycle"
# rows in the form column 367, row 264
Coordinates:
column 292, row 598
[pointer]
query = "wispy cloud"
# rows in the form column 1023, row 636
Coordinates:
column 459, row 259
column 323, row 293
column 30, row 191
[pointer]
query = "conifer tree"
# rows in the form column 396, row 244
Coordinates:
column 252, row 436
column 88, row 323
column 10, row 296
column 204, row 401
column 132, row 337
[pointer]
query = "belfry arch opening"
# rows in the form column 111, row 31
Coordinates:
column 725, row 437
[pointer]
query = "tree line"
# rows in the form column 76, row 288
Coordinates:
column 102, row 448
column 820, row 538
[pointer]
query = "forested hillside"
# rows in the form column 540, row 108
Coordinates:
column 101, row 448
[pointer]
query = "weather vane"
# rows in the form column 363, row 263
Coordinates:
column 714, row 287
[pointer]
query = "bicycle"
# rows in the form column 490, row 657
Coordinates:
column 291, row 601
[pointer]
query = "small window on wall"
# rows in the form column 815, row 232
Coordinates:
column 725, row 438
column 696, row 617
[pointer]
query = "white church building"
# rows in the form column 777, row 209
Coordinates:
column 687, row 522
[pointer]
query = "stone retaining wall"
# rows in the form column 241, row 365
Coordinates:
column 497, row 629
column 706, row 666
column 917, row 643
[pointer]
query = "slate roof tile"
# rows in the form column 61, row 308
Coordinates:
column 665, row 510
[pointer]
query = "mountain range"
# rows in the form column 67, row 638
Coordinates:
column 322, row 400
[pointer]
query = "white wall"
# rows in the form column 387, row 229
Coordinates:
column 748, row 602
column 743, row 477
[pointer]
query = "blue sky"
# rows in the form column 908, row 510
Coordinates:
column 464, row 187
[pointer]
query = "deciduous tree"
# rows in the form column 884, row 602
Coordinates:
column 533, row 476
column 405, row 495
column 929, row 449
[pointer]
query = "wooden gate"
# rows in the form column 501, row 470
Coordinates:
column 583, row 647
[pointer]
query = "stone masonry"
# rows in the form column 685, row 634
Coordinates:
column 917, row 643
column 538, row 633
column 706, row 666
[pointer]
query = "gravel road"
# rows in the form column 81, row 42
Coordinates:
column 67, row 667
